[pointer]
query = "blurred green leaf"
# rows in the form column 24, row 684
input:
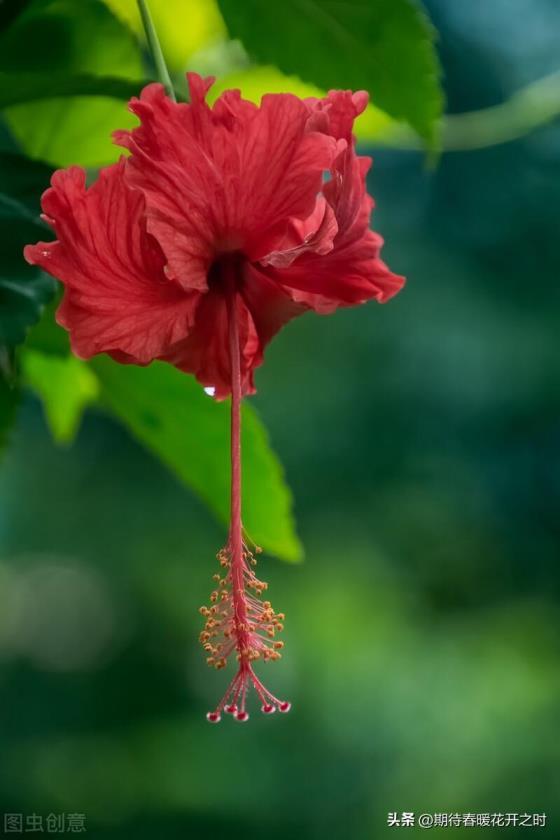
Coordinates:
column 170, row 413
column 16, row 88
column 56, row 38
column 46, row 336
column 385, row 46
column 10, row 10
column 9, row 398
column 65, row 385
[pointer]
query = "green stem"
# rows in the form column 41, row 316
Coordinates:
column 155, row 49
column 531, row 107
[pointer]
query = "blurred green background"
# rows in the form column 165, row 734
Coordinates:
column 422, row 444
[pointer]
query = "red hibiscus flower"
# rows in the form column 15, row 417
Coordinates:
column 221, row 225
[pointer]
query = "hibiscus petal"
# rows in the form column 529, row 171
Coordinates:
column 282, row 165
column 215, row 202
column 348, row 276
column 336, row 112
column 316, row 233
column 220, row 179
column 352, row 272
column 117, row 299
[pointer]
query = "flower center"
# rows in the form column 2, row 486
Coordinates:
column 226, row 271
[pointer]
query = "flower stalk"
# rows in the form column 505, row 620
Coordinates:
column 237, row 621
column 235, row 534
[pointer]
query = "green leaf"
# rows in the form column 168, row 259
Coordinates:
column 254, row 82
column 57, row 38
column 171, row 415
column 24, row 289
column 16, row 88
column 23, row 293
column 22, row 182
column 65, row 385
column 384, row 46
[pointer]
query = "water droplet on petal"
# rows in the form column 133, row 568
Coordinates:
column 210, row 390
